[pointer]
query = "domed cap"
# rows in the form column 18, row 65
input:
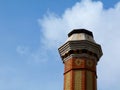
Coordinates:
column 80, row 34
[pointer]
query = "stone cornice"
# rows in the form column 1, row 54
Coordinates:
column 80, row 47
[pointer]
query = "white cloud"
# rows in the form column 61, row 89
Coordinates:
column 104, row 23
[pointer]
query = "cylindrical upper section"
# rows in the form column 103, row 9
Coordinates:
column 80, row 34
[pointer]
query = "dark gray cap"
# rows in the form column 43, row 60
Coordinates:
column 80, row 31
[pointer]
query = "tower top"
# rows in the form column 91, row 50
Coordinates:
column 80, row 43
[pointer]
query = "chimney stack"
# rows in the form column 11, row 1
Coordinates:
column 80, row 55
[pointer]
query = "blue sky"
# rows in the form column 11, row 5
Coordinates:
column 32, row 30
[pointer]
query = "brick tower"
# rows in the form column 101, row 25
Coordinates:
column 80, row 55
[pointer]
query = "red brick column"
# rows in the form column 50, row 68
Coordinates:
column 79, row 68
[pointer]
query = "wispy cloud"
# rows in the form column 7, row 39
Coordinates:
column 22, row 50
column 37, row 56
column 104, row 23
